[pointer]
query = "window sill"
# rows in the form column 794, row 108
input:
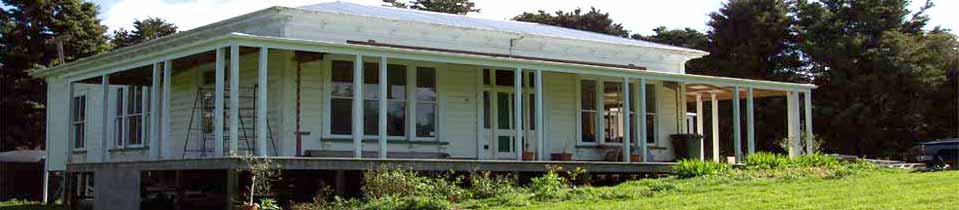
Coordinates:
column 132, row 148
column 419, row 142
column 612, row 145
column 79, row 151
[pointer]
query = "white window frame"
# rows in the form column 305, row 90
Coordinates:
column 413, row 101
column 82, row 123
column 410, row 101
column 121, row 118
column 600, row 110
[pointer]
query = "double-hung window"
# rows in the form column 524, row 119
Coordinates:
column 341, row 98
column 400, row 84
column 601, row 109
column 78, row 121
column 651, row 108
column 425, row 102
column 129, row 122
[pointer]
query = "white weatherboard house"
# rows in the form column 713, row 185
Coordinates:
column 341, row 86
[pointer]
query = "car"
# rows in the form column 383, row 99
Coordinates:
column 942, row 153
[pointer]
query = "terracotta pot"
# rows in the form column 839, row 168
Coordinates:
column 561, row 156
column 634, row 158
column 529, row 156
column 249, row 207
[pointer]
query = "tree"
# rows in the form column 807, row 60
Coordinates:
column 877, row 72
column 752, row 39
column 687, row 37
column 30, row 31
column 459, row 7
column 594, row 20
column 143, row 30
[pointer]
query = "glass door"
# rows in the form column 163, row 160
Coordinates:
column 503, row 133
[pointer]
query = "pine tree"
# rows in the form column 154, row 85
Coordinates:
column 143, row 30
column 30, row 31
column 594, row 20
column 877, row 71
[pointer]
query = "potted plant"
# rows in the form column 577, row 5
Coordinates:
column 562, row 156
column 634, row 155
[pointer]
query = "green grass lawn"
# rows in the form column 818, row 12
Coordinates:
column 26, row 205
column 888, row 190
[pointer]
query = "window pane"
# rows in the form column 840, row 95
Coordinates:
column 78, row 108
column 486, row 78
column 632, row 131
column 531, row 116
column 588, row 126
column 531, row 82
column 486, row 110
column 587, row 92
column 341, row 112
column 503, row 103
column 119, row 103
column 504, row 78
column 78, row 135
column 342, row 76
column 425, row 84
column 504, row 144
column 651, row 128
column 371, row 80
column 396, row 79
column 425, row 119
column 614, row 126
column 133, row 130
column 612, row 111
column 118, row 130
column 134, row 100
column 396, row 118
column 371, row 118
column 651, row 98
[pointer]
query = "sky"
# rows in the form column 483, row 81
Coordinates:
column 638, row 16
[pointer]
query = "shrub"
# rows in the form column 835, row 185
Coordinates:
column 695, row 168
column 766, row 160
column 486, row 185
column 548, row 187
column 378, row 183
column 401, row 183
column 816, row 160
column 336, row 203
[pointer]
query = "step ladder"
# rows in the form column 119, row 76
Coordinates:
column 200, row 140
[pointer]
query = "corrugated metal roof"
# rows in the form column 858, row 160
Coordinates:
column 473, row 22
column 22, row 156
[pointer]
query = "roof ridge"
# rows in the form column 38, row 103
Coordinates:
column 584, row 35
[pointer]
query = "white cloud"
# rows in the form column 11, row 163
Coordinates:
column 638, row 16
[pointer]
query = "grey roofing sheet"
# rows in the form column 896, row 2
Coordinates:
column 22, row 156
column 472, row 22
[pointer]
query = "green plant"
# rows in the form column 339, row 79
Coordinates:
column 269, row 204
column 486, row 185
column 815, row 160
column 550, row 186
column 695, row 168
column 578, row 176
column 766, row 160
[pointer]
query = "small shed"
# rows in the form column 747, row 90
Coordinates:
column 21, row 174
